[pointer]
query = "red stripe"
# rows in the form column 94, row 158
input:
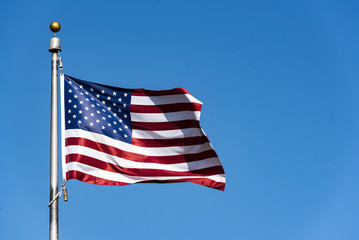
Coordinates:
column 138, row 157
column 201, row 181
column 140, row 172
column 83, row 177
column 169, row 142
column 165, row 108
column 208, row 183
column 153, row 126
column 100, row 181
column 145, row 92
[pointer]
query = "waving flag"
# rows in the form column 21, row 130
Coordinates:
column 118, row 136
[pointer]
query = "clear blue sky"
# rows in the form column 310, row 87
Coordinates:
column 279, row 83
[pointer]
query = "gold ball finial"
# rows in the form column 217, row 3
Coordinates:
column 55, row 27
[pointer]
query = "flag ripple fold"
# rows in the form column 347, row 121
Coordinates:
column 118, row 136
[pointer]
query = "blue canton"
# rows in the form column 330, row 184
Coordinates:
column 98, row 108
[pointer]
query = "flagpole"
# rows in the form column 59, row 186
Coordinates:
column 55, row 48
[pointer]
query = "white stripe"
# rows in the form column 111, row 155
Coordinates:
column 148, row 151
column 160, row 100
column 165, row 117
column 167, row 134
column 130, row 179
column 124, row 163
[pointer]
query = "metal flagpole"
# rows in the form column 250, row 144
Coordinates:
column 55, row 48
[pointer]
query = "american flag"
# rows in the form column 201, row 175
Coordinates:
column 118, row 136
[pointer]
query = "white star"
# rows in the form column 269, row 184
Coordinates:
column 115, row 123
column 120, row 99
column 119, row 110
column 86, row 117
column 91, row 89
column 125, row 115
column 103, row 127
column 86, row 93
column 103, row 110
column 97, row 104
column 92, row 105
column 81, row 102
column 103, row 102
column 74, row 116
column 124, row 105
column 125, row 135
column 103, row 118
column 109, row 116
column 92, row 114
column 81, row 86
column 70, row 101
column 98, row 112
column 120, row 129
column 75, row 96
column 69, row 121
column 126, row 126
column 103, row 91
column 114, row 131
column 75, row 106
column 91, row 124
column 70, row 82
column 97, row 120
column 97, row 95
column 125, row 94
column 86, row 108
column 81, row 93
column 114, row 93
column 80, row 111
column 87, row 99
column 109, row 98
column 109, row 124
column 114, row 104
column 109, row 108
column 121, row 120
column 70, row 91
column 115, row 114
column 92, row 99
column 79, row 121
column 69, row 111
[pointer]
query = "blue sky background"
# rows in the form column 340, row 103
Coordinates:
column 279, row 83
